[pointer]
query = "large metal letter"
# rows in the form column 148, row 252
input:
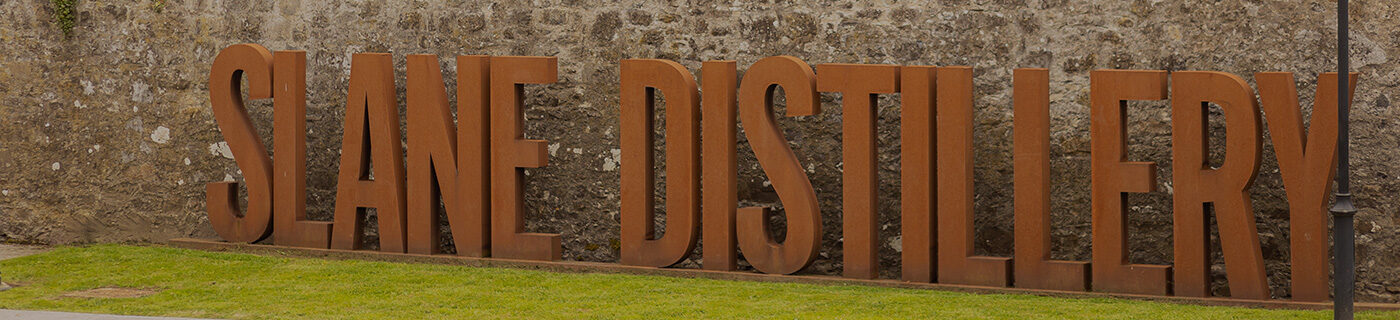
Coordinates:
column 1226, row 188
column 1033, row 267
column 957, row 263
column 859, row 86
column 1307, row 164
column 917, row 189
column 804, row 225
column 289, row 147
column 510, row 152
column 436, row 174
column 226, row 100
column 721, row 171
column 640, row 81
column 371, row 134
column 473, row 238
column 1113, row 177
column 432, row 154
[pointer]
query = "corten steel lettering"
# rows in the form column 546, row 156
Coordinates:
column 511, row 153
column 641, row 78
column 1113, row 176
column 473, row 238
column 1225, row 189
column 1034, row 268
column 289, row 145
column 371, row 135
column 437, row 171
column 957, row 262
column 1307, row 164
column 719, row 190
column 859, row 86
column 474, row 168
column 917, row 189
column 226, row 99
column 804, row 226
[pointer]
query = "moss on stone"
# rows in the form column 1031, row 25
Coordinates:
column 63, row 15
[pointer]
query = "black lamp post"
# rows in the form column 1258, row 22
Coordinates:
column 1343, row 209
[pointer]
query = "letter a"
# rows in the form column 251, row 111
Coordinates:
column 371, row 133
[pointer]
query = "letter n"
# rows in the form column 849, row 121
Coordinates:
column 446, row 164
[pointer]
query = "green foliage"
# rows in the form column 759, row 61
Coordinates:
column 63, row 15
column 240, row 286
column 158, row 6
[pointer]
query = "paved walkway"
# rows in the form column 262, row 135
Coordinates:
column 49, row 315
column 10, row 251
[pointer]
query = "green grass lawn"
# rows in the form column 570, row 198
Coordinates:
column 241, row 286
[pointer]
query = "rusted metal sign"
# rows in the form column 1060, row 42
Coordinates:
column 474, row 168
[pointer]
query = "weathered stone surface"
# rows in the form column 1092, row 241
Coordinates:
column 108, row 136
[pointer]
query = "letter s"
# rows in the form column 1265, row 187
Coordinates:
column 225, row 96
column 804, row 227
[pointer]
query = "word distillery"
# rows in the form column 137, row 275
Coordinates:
column 474, row 168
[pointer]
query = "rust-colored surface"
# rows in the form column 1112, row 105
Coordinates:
column 594, row 267
column 794, row 189
column 918, row 194
column 511, row 152
column 1307, row 164
column 436, row 174
column 957, row 262
column 457, row 168
column 1033, row 268
column 473, row 236
column 289, row 164
column 226, row 99
column 1113, row 176
column 859, row 86
column 720, row 190
column 1225, row 189
column 641, row 78
column 371, row 135
column 432, row 154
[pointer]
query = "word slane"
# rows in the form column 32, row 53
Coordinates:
column 473, row 166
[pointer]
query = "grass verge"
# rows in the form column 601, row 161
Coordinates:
column 241, row 286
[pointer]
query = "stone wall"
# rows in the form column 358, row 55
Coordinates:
column 108, row 136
